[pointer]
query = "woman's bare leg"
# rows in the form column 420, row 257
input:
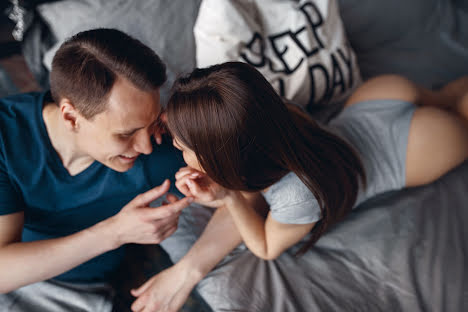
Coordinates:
column 452, row 97
column 438, row 138
column 438, row 135
column 437, row 143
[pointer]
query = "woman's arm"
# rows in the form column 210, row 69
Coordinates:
column 266, row 238
column 171, row 287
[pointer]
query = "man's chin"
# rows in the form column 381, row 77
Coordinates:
column 121, row 168
column 121, row 164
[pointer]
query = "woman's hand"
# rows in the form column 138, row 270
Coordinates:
column 166, row 291
column 202, row 188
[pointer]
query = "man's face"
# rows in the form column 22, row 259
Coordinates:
column 117, row 136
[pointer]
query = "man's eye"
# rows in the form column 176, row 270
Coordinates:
column 125, row 136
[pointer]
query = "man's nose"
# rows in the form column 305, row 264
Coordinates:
column 142, row 143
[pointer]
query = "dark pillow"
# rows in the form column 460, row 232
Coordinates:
column 424, row 40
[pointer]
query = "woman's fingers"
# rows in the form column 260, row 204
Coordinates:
column 183, row 171
column 139, row 304
column 193, row 187
column 137, row 292
column 188, row 171
column 182, row 187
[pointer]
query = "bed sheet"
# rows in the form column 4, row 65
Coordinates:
column 403, row 251
column 399, row 251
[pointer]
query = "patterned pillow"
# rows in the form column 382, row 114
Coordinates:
column 299, row 46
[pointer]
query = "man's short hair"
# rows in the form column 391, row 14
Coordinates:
column 86, row 66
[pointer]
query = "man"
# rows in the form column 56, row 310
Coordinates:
column 72, row 163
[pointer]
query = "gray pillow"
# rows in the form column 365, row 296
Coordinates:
column 164, row 25
column 424, row 40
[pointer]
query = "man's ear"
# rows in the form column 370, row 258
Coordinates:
column 69, row 114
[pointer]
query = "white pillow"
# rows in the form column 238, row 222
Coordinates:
column 299, row 46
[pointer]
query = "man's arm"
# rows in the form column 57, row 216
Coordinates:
column 172, row 287
column 23, row 263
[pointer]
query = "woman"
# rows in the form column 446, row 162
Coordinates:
column 243, row 144
column 280, row 175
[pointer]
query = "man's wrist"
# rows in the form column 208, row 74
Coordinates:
column 107, row 233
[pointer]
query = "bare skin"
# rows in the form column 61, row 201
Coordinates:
column 437, row 129
column 439, row 125
column 115, row 138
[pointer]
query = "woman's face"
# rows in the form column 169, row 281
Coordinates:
column 189, row 156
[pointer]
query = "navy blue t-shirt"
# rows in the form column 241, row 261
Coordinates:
column 34, row 180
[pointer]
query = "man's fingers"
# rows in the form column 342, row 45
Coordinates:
column 177, row 206
column 169, row 232
column 165, row 211
column 163, row 225
column 144, row 199
column 171, row 198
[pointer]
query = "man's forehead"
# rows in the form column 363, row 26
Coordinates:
column 128, row 116
column 133, row 120
column 129, row 107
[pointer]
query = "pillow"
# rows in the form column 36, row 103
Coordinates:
column 424, row 40
column 299, row 46
column 165, row 26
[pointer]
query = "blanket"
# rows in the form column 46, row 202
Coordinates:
column 400, row 251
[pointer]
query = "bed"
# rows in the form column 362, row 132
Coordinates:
column 400, row 251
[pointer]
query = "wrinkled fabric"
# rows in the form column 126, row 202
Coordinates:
column 400, row 251
column 54, row 296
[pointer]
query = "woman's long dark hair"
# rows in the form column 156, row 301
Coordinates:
column 247, row 139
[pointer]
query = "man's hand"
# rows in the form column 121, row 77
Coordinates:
column 167, row 291
column 138, row 223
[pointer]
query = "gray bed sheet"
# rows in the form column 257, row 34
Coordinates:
column 403, row 251
column 400, row 251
